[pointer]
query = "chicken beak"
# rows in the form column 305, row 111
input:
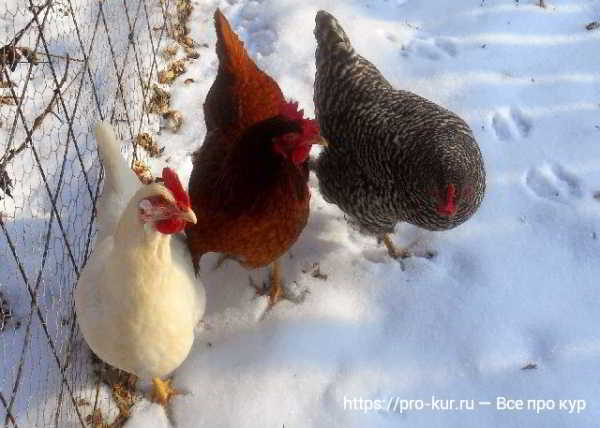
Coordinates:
column 322, row 142
column 188, row 216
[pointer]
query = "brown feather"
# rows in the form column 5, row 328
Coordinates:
column 242, row 94
column 250, row 202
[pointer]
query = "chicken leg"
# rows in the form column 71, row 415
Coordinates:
column 394, row 252
column 274, row 290
column 162, row 391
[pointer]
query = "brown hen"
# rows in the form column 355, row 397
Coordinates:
column 248, row 185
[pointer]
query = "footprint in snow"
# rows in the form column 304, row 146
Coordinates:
column 553, row 182
column 512, row 125
column 380, row 255
column 390, row 36
column 447, row 46
column 433, row 49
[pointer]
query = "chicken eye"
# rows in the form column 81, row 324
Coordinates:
column 145, row 207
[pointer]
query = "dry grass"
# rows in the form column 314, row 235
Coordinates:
column 142, row 170
column 7, row 100
column 187, row 41
column 5, row 312
column 146, row 142
column 170, row 51
column 172, row 72
column 174, row 120
column 160, row 100
column 123, row 391
column 191, row 53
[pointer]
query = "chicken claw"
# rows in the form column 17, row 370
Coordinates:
column 275, row 290
column 162, row 391
column 394, row 252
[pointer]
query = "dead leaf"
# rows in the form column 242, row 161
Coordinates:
column 174, row 120
column 124, row 393
column 30, row 55
column 5, row 312
column 6, row 184
column 142, row 171
column 592, row 25
column 9, row 55
column 191, row 53
column 170, row 51
column 7, row 100
column 174, row 70
column 145, row 141
column 186, row 41
column 96, row 419
column 160, row 100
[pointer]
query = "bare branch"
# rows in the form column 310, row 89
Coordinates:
column 11, row 153
column 38, row 120
column 9, row 54
column 61, row 56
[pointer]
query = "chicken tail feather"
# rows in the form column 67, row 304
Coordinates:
column 110, row 154
column 330, row 35
column 230, row 49
column 120, row 182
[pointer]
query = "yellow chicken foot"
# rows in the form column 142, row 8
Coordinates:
column 394, row 252
column 162, row 391
column 274, row 291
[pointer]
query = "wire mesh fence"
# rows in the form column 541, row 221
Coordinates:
column 64, row 64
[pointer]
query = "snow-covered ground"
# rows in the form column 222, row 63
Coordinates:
column 506, row 310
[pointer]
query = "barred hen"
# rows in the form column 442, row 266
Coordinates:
column 393, row 156
column 248, row 185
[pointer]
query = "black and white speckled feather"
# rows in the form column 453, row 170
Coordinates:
column 389, row 150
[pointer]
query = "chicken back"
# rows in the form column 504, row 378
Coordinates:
column 393, row 156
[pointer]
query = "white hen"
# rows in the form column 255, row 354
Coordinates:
column 138, row 299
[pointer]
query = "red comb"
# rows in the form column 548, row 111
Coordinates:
column 172, row 183
column 310, row 128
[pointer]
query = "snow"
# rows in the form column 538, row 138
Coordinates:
column 508, row 305
column 147, row 415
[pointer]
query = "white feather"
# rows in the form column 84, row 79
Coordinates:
column 120, row 182
column 137, row 299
